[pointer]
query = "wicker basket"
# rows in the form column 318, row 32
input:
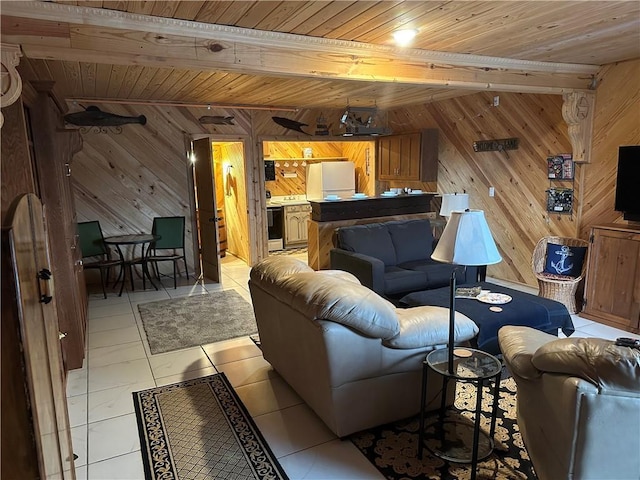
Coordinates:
column 560, row 290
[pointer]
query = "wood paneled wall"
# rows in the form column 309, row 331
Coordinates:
column 363, row 154
column 124, row 180
column 16, row 166
column 517, row 214
column 617, row 122
column 288, row 158
column 235, row 198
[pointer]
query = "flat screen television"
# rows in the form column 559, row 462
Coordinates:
column 628, row 182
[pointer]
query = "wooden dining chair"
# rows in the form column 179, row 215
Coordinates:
column 96, row 251
column 170, row 246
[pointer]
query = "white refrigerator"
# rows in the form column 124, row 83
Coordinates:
column 331, row 178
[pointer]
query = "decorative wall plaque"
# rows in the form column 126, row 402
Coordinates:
column 560, row 200
column 496, row 145
column 560, row 167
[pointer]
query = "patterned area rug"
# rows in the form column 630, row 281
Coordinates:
column 393, row 448
column 199, row 429
column 196, row 320
column 289, row 251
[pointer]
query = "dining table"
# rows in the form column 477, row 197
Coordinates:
column 145, row 240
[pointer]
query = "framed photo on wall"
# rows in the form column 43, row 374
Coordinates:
column 560, row 200
column 560, row 167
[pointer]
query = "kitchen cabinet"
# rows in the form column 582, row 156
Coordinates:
column 296, row 219
column 411, row 156
column 612, row 291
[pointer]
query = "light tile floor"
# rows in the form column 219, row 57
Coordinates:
column 118, row 362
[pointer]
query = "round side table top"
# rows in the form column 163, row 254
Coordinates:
column 470, row 363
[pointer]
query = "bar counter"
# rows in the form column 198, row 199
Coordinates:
column 360, row 208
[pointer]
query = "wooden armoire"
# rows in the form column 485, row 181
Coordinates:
column 36, row 159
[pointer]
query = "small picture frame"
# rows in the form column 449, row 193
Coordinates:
column 560, row 200
column 560, row 167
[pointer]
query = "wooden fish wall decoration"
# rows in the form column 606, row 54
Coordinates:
column 290, row 124
column 216, row 120
column 94, row 117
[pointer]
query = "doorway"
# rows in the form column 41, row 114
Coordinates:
column 220, row 203
column 231, row 198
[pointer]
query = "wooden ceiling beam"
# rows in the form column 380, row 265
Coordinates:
column 106, row 36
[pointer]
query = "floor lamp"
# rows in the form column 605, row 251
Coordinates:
column 466, row 241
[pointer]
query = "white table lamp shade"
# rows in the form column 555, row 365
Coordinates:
column 454, row 202
column 466, row 240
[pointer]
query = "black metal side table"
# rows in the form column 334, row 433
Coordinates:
column 127, row 264
column 473, row 366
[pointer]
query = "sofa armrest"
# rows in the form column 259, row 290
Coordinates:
column 428, row 326
column 518, row 345
column 611, row 367
column 369, row 270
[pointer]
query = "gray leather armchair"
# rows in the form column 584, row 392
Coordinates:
column 352, row 356
column 578, row 404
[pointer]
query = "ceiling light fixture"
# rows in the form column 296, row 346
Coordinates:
column 404, row 37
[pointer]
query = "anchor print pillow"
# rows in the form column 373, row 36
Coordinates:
column 564, row 260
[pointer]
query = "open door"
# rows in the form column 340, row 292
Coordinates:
column 206, row 209
column 36, row 438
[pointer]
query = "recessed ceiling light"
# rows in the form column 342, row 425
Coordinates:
column 404, row 37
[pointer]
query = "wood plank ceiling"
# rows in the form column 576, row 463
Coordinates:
column 324, row 54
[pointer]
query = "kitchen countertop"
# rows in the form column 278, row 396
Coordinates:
column 374, row 197
column 378, row 206
column 284, row 201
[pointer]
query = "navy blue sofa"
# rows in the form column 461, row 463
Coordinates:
column 394, row 258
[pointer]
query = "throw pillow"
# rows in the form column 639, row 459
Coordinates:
column 372, row 239
column 412, row 239
column 564, row 260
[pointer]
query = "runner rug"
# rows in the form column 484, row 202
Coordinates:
column 392, row 448
column 196, row 320
column 199, row 429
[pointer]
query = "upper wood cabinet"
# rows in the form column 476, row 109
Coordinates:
column 411, row 156
column 612, row 293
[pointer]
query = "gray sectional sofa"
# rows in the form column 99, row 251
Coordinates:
column 394, row 258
